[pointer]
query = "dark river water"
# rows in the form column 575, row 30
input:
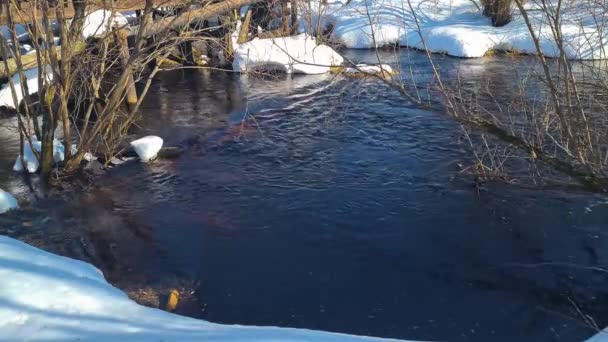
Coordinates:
column 330, row 203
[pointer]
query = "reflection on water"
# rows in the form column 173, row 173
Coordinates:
column 334, row 204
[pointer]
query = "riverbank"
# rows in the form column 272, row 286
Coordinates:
column 47, row 297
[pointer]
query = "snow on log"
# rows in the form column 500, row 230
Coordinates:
column 298, row 54
column 29, row 58
column 147, row 147
column 7, row 202
column 31, row 75
column 47, row 297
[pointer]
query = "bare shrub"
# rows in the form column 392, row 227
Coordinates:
column 90, row 90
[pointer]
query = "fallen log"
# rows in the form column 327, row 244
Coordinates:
column 185, row 19
column 30, row 11
column 28, row 62
column 169, row 23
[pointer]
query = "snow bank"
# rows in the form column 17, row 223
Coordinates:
column 602, row 336
column 297, row 54
column 97, row 22
column 31, row 75
column 458, row 28
column 147, row 147
column 45, row 297
column 7, row 202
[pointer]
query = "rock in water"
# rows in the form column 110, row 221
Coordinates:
column 172, row 301
column 147, row 147
column 7, row 202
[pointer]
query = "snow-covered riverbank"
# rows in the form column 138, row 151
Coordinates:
column 458, row 27
column 52, row 298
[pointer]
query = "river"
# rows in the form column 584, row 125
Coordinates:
column 332, row 203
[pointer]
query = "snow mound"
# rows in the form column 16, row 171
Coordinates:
column 458, row 28
column 147, row 147
column 7, row 202
column 298, row 54
column 46, row 297
column 97, row 23
column 31, row 76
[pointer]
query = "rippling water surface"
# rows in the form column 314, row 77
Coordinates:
column 330, row 203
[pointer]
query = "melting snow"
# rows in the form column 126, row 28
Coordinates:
column 147, row 147
column 31, row 162
column 298, row 54
column 97, row 22
column 46, row 297
column 7, row 202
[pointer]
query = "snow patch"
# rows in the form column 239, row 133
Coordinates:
column 7, row 202
column 31, row 162
column 46, row 297
column 97, row 22
column 88, row 156
column 297, row 54
column 147, row 147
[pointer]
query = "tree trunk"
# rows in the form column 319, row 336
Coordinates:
column 185, row 48
column 500, row 11
column 228, row 39
column 48, row 135
column 121, row 41
column 285, row 19
column 244, row 34
column 294, row 17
